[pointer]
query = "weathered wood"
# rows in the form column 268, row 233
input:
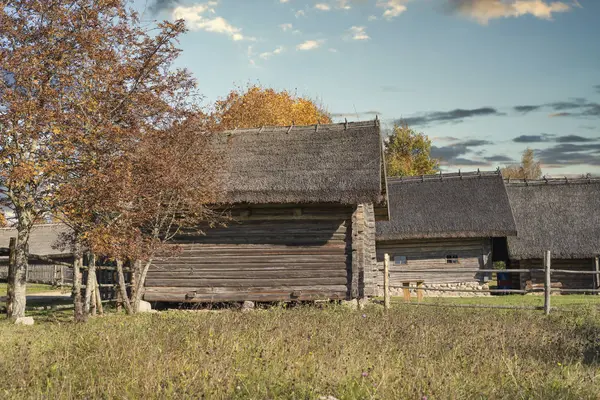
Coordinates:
column 276, row 248
column 406, row 290
column 386, row 282
column 547, row 284
column 420, row 291
column 597, row 269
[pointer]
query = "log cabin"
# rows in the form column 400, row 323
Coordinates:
column 560, row 215
column 304, row 200
column 444, row 221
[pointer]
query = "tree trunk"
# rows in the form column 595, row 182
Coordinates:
column 77, row 301
column 140, row 284
column 90, row 284
column 123, row 287
column 11, row 269
column 19, row 267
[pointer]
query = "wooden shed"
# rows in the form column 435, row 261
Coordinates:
column 560, row 215
column 303, row 200
column 444, row 221
column 42, row 241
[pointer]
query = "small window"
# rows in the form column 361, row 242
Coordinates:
column 452, row 259
column 399, row 260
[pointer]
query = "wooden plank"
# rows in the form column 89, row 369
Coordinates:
column 245, row 282
column 248, row 274
column 547, row 284
column 386, row 282
column 420, row 291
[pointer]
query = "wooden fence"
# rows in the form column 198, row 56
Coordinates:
column 547, row 289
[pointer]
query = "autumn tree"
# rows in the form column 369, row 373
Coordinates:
column 529, row 168
column 82, row 82
column 257, row 106
column 409, row 153
column 3, row 221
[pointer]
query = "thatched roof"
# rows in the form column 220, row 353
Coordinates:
column 333, row 163
column 447, row 206
column 42, row 240
column 559, row 215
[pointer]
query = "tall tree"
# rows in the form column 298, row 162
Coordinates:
column 82, row 81
column 408, row 152
column 529, row 168
column 257, row 106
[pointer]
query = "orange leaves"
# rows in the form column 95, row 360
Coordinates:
column 258, row 106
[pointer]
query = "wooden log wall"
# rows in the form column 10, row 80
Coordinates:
column 364, row 253
column 473, row 253
column 535, row 280
column 269, row 253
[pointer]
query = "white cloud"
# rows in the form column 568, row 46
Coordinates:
column 268, row 54
column 197, row 21
column 358, row 33
column 485, row 10
column 284, row 1
column 393, row 8
column 286, row 27
column 323, row 6
column 296, row 31
column 343, row 4
column 310, row 45
column 332, row 50
column 300, row 13
column 372, row 18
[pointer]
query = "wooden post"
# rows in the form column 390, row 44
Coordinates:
column 547, row 282
column 406, row 290
column 98, row 298
column 10, row 291
column 419, row 291
column 597, row 269
column 386, row 281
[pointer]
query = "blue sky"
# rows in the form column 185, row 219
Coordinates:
column 483, row 78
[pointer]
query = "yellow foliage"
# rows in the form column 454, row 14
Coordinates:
column 3, row 221
column 259, row 106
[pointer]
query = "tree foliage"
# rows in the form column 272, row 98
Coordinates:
column 3, row 221
column 408, row 153
column 83, row 88
column 257, row 106
column 529, row 168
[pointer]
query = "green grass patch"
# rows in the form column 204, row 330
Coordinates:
column 306, row 352
column 32, row 288
column 566, row 301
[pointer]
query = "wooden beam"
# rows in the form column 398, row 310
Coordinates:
column 547, row 282
column 406, row 290
column 386, row 281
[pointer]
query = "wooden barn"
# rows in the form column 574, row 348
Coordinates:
column 303, row 200
column 42, row 242
column 444, row 221
column 560, row 215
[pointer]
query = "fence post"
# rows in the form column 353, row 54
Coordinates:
column 547, row 282
column 386, row 281
column 597, row 269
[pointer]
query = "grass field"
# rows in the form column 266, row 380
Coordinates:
column 306, row 352
column 32, row 288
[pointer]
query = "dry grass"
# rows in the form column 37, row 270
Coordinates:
column 305, row 352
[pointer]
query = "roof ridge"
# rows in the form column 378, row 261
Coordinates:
column 551, row 181
column 344, row 125
column 445, row 176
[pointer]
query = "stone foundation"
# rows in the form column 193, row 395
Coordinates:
column 429, row 289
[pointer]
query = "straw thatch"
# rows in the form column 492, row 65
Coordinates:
column 334, row 163
column 559, row 215
column 448, row 206
column 42, row 240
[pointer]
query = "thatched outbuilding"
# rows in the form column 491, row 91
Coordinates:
column 454, row 221
column 560, row 215
column 303, row 201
